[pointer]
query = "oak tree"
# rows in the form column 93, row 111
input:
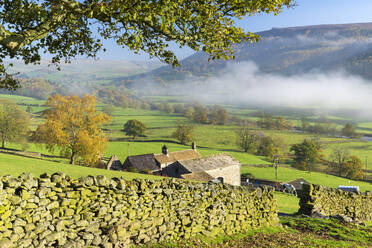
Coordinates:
column 339, row 157
column 271, row 147
column 14, row 122
column 347, row 165
column 354, row 168
column 220, row 115
column 201, row 114
column 108, row 109
column 306, row 154
column 184, row 133
column 248, row 140
column 349, row 130
column 73, row 125
column 189, row 113
column 68, row 28
column 134, row 128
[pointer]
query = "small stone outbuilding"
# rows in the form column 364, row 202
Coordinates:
column 114, row 163
column 144, row 162
column 298, row 183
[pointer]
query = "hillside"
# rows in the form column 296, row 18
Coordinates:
column 83, row 71
column 287, row 51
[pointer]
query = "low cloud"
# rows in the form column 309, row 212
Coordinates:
column 243, row 83
column 329, row 39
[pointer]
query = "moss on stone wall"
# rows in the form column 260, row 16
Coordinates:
column 60, row 211
column 330, row 201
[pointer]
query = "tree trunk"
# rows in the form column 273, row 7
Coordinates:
column 72, row 159
column 3, row 141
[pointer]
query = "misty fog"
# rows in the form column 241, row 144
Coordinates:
column 242, row 83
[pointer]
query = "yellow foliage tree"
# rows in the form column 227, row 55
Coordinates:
column 73, row 125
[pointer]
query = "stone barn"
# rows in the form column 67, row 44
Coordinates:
column 144, row 162
column 155, row 162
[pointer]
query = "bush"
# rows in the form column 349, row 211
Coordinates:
column 133, row 169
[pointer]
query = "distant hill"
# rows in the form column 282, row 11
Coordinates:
column 287, row 51
column 84, row 71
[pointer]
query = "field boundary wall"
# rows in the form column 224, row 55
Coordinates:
column 330, row 202
column 58, row 211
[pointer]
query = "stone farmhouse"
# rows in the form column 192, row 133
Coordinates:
column 187, row 164
column 222, row 167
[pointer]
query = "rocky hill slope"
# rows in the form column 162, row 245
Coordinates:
column 287, row 51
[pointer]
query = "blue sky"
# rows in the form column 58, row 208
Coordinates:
column 308, row 12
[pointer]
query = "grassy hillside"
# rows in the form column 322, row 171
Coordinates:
column 288, row 174
column 211, row 139
column 287, row 51
column 296, row 232
column 120, row 148
column 84, row 71
column 361, row 149
column 16, row 165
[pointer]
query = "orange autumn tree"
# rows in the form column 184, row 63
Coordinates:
column 73, row 125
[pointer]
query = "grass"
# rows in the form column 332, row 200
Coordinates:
column 16, row 165
column 23, row 99
column 330, row 227
column 289, row 174
column 211, row 139
column 288, row 203
column 120, row 148
column 297, row 232
column 361, row 149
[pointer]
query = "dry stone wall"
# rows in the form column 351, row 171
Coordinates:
column 330, row 202
column 58, row 211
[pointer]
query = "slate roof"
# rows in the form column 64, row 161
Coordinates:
column 198, row 176
column 114, row 163
column 144, row 162
column 298, row 183
column 177, row 156
column 209, row 163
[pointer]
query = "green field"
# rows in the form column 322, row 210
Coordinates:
column 361, row 149
column 16, row 165
column 287, row 203
column 121, row 149
column 23, row 99
column 160, row 125
column 295, row 232
column 211, row 139
column 289, row 174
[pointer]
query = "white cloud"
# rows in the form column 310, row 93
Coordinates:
column 243, row 83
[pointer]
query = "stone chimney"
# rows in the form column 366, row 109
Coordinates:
column 193, row 145
column 164, row 150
